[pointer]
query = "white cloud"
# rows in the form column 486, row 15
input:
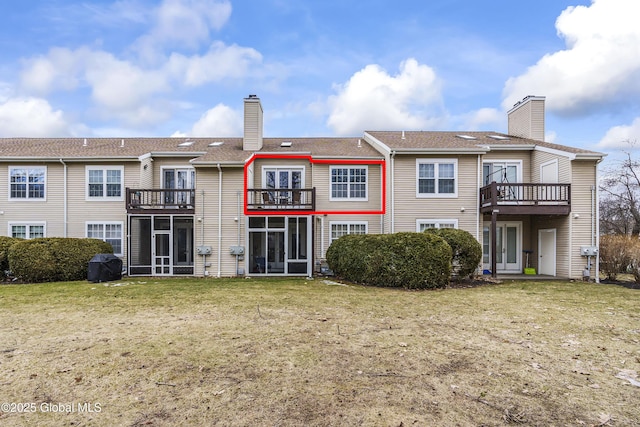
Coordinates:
column 621, row 136
column 550, row 136
column 220, row 120
column 120, row 89
column 31, row 117
column 489, row 117
column 57, row 70
column 124, row 90
column 372, row 99
column 119, row 85
column 183, row 23
column 218, row 63
column 600, row 65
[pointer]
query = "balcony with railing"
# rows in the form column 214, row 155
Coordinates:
column 526, row 199
column 167, row 201
column 281, row 199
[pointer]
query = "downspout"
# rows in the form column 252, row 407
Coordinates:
column 596, row 205
column 481, row 266
column 392, row 190
column 478, row 194
column 219, row 221
column 65, row 208
column 322, row 254
column 204, row 256
column 238, row 195
column 384, row 196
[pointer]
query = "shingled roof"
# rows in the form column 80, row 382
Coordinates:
column 466, row 141
column 201, row 150
column 207, row 151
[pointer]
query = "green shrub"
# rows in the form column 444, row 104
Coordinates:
column 407, row 260
column 54, row 259
column 5, row 244
column 466, row 250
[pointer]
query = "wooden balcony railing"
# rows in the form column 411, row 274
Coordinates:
column 295, row 199
column 528, row 199
column 160, row 200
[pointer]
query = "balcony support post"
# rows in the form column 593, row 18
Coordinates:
column 494, row 234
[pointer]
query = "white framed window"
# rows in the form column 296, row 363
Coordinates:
column 436, row 178
column 27, row 183
column 423, row 224
column 28, row 230
column 502, row 171
column 342, row 228
column 109, row 231
column 349, row 183
column 283, row 177
column 104, row 183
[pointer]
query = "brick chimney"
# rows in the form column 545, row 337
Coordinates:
column 252, row 140
column 526, row 118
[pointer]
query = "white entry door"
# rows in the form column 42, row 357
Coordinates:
column 549, row 175
column 547, row 252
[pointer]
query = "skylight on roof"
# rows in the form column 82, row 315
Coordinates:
column 499, row 137
column 286, row 144
column 216, row 144
column 467, row 137
column 186, row 144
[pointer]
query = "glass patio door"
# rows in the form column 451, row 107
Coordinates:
column 508, row 247
column 280, row 178
column 178, row 179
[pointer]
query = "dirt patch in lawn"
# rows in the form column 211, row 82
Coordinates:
column 307, row 352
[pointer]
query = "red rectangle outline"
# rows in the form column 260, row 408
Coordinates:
column 319, row 161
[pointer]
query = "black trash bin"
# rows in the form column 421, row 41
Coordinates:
column 104, row 268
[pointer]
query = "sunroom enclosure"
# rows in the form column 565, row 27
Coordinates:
column 161, row 245
column 279, row 245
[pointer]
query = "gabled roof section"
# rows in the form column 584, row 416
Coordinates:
column 338, row 148
column 472, row 143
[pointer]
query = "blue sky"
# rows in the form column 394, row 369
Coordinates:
column 321, row 68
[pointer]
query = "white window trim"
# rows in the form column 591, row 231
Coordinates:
column 437, row 195
column 518, row 164
column 182, row 167
column 437, row 222
column 347, row 223
column 349, row 198
column 288, row 168
column 104, row 198
column 28, row 224
column 120, row 223
column 27, row 199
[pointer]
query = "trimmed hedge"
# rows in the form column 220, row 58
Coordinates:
column 406, row 260
column 466, row 250
column 5, row 243
column 54, row 259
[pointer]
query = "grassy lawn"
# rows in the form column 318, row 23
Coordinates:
column 246, row 352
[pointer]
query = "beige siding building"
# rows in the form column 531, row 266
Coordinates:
column 272, row 206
